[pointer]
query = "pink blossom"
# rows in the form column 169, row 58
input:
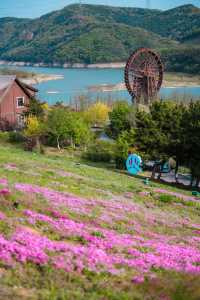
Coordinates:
column 3, row 182
column 144, row 193
column 10, row 167
column 97, row 243
column 138, row 279
column 4, row 192
column 2, row 216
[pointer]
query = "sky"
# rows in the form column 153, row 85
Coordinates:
column 36, row 8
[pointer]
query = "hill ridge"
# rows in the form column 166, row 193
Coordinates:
column 74, row 35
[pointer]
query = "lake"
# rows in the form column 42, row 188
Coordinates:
column 77, row 81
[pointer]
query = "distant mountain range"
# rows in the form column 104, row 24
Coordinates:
column 99, row 34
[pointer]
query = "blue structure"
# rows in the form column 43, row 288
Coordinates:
column 133, row 164
column 166, row 168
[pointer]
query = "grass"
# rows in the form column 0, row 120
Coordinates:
column 167, row 198
column 105, row 194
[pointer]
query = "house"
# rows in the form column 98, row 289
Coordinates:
column 14, row 99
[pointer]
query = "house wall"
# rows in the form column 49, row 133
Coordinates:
column 8, row 106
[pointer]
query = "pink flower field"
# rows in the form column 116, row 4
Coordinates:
column 132, row 238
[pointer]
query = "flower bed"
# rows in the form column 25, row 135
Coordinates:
column 98, row 243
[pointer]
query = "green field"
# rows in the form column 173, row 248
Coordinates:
column 72, row 230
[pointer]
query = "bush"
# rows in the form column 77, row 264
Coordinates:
column 165, row 198
column 50, row 140
column 122, row 118
column 16, row 137
column 30, row 144
column 4, row 136
column 5, row 125
column 123, row 146
column 101, row 151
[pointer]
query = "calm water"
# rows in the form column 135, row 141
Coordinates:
column 77, row 81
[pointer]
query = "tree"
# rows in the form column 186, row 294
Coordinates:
column 159, row 133
column 34, row 129
column 97, row 114
column 125, row 144
column 80, row 133
column 81, row 103
column 37, row 108
column 171, row 130
column 191, row 133
column 169, row 120
column 122, row 118
column 59, row 124
column 64, row 124
column 149, row 137
column 121, row 150
column 195, row 171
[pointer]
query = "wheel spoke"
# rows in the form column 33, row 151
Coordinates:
column 143, row 74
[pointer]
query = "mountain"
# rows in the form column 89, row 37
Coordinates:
column 98, row 33
column 91, row 42
column 176, row 23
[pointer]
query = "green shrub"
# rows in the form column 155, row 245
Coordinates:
column 165, row 198
column 16, row 137
column 101, row 151
column 121, row 150
column 4, row 136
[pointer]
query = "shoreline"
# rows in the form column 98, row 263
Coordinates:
column 39, row 78
column 114, row 65
column 176, row 81
column 121, row 87
column 171, row 79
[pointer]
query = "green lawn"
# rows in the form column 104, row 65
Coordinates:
column 74, row 230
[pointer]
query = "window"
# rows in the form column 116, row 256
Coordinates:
column 20, row 101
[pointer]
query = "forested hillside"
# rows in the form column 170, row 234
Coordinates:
column 97, row 34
